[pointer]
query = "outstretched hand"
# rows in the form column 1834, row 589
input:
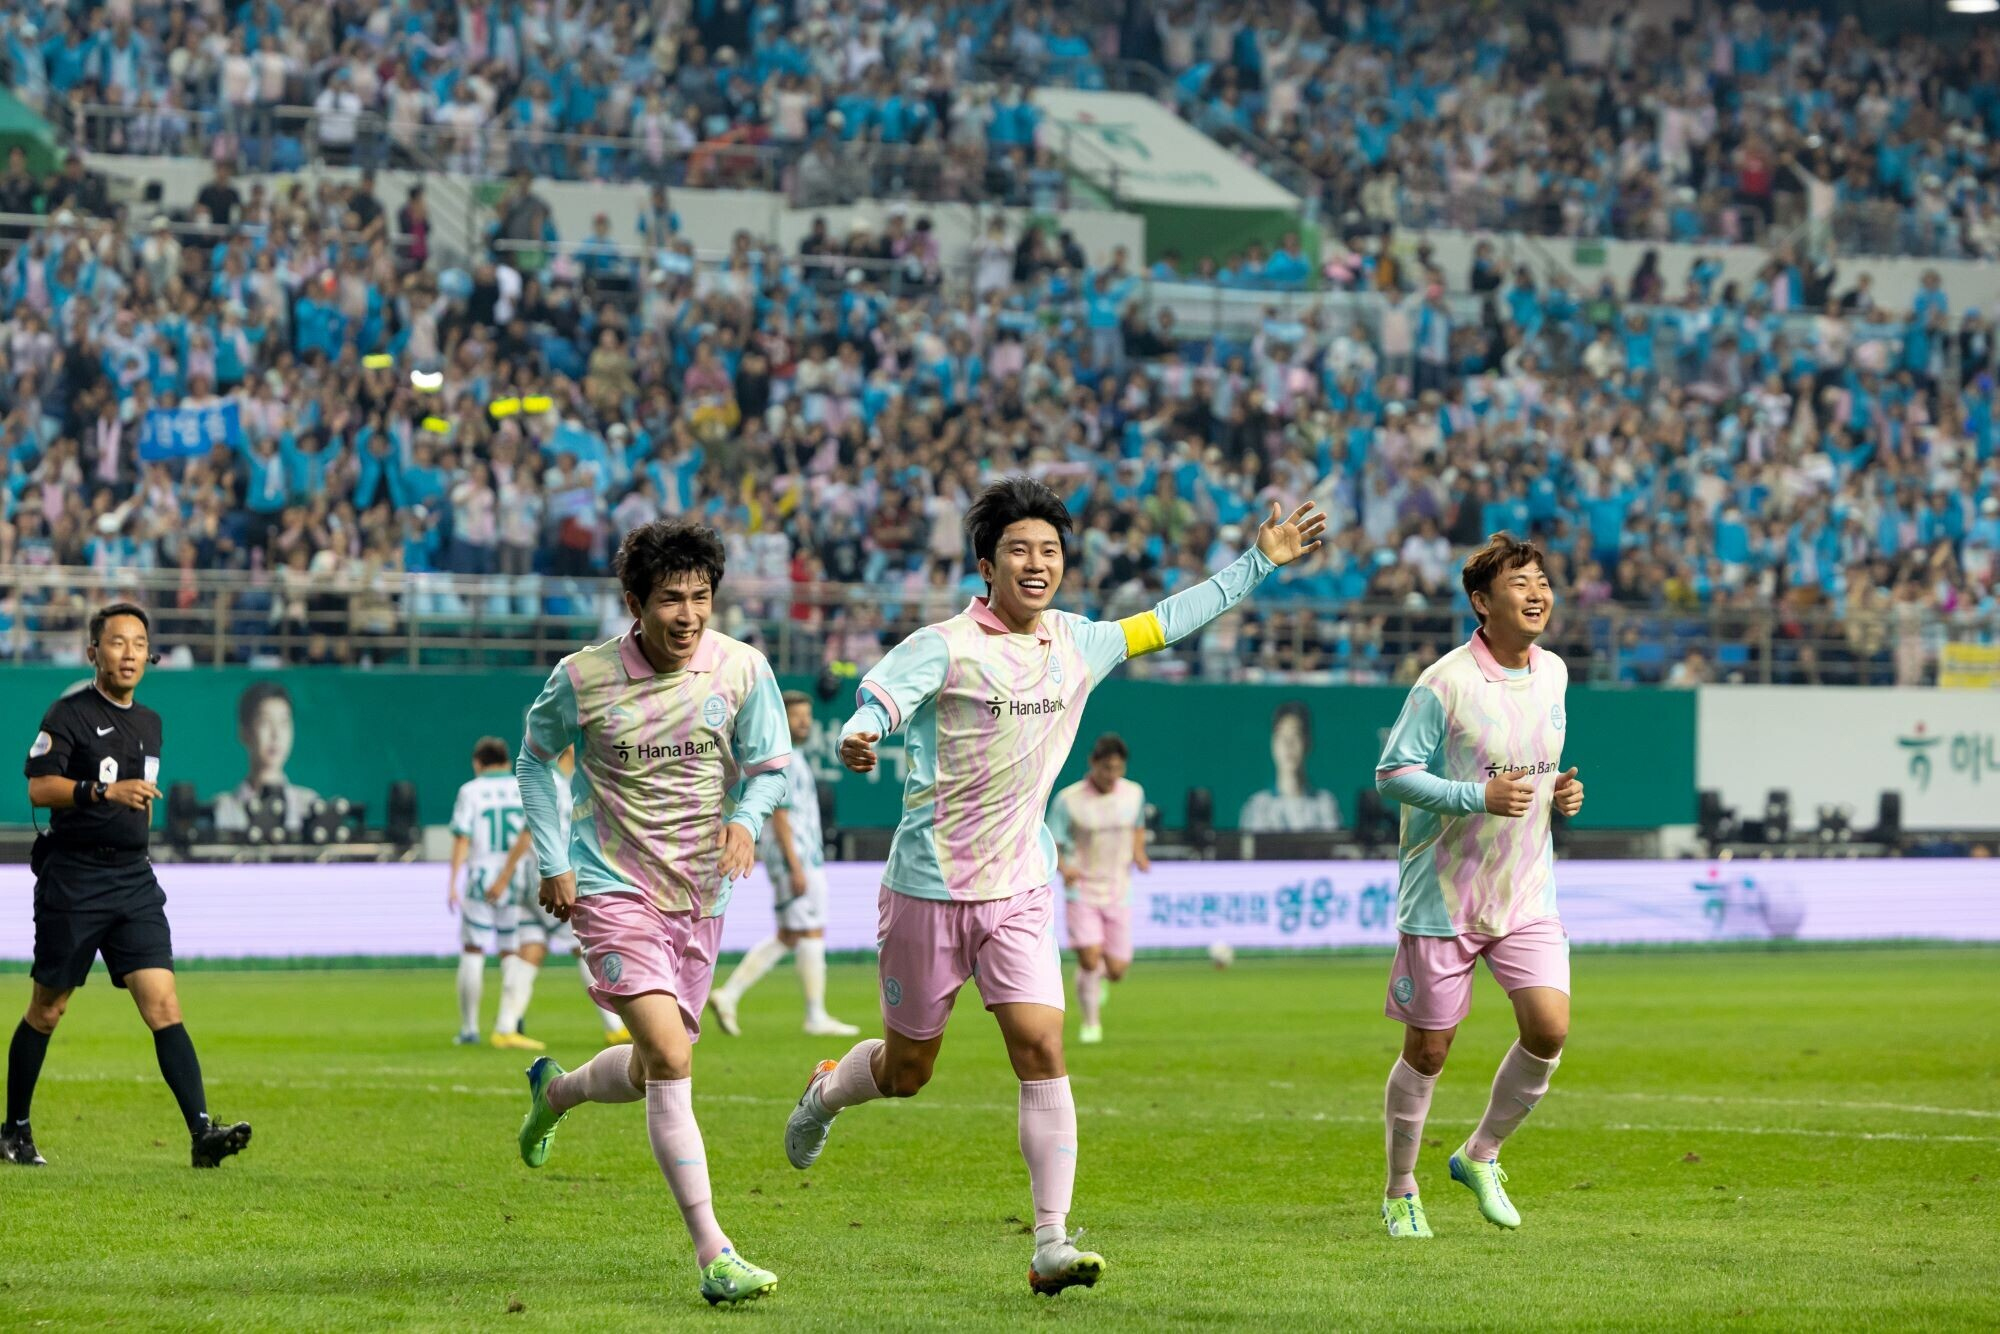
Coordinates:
column 1286, row 541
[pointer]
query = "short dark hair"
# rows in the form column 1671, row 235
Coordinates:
column 1296, row 710
column 489, row 752
column 666, row 547
column 1007, row 502
column 1110, row 746
column 792, row 697
column 105, row 613
column 1503, row 552
column 253, row 698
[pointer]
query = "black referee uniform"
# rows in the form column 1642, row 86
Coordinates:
column 95, row 892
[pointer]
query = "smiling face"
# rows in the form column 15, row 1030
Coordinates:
column 673, row 617
column 1026, row 570
column 1516, row 606
column 120, row 655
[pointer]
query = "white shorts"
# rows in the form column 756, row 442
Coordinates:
column 491, row 927
column 539, row 928
column 800, row 911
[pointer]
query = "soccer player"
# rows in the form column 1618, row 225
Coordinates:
column 95, row 767
column 1474, row 760
column 537, row 931
column 485, row 822
column 794, row 853
column 668, row 721
column 991, row 700
column 1099, row 827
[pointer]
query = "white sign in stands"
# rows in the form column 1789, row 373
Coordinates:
column 333, row 911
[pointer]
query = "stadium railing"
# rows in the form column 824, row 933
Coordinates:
column 450, row 622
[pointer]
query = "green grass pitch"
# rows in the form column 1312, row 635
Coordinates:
column 1761, row 1140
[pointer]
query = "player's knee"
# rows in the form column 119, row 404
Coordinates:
column 1425, row 1050
column 1115, row 968
column 44, row 1016
column 1039, row 1057
column 160, row 1012
column 1545, row 1040
column 659, row 1063
column 903, row 1079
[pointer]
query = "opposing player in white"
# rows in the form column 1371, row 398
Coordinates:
column 793, row 850
column 538, row 932
column 485, row 820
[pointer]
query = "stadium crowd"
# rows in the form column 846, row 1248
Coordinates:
column 1709, row 453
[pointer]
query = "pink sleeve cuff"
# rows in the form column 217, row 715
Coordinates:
column 1384, row 775
column 881, row 696
column 766, row 766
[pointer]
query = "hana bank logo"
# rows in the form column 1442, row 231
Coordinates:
column 1972, row 755
column 1918, row 747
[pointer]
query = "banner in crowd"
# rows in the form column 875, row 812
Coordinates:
column 1137, row 149
column 1273, row 757
column 187, row 433
column 1939, row 748
column 281, row 911
column 1969, row 666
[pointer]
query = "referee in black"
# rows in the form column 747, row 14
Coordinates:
column 95, row 767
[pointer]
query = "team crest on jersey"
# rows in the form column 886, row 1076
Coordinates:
column 1556, row 717
column 1055, row 669
column 1405, row 990
column 892, row 992
column 611, row 967
column 715, row 711
column 44, row 743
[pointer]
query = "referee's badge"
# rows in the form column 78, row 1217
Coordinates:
column 44, row 743
column 107, row 770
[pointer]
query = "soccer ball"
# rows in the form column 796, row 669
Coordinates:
column 1222, row 953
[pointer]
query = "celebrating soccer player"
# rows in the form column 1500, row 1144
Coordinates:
column 1099, row 827
column 991, row 700
column 668, row 721
column 795, row 858
column 1473, row 759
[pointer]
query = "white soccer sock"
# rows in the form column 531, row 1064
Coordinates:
column 612, row 1023
column 471, row 980
column 811, row 954
column 756, row 962
column 517, row 982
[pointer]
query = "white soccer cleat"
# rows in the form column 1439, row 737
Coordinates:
column 1090, row 1035
column 808, row 1126
column 725, row 1013
column 1058, row 1264
column 826, row 1026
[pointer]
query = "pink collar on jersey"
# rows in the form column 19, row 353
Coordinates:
column 707, row 654
column 989, row 620
column 1489, row 666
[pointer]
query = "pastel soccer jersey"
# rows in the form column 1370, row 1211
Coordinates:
column 1096, row 828
column 658, row 757
column 989, row 717
column 488, row 814
column 1467, row 719
column 801, row 808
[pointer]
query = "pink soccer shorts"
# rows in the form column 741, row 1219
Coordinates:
column 931, row 947
column 1430, row 984
column 634, row 948
column 1107, row 928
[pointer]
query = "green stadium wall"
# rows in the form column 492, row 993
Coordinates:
column 357, row 731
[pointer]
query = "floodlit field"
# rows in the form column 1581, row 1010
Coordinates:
column 1797, row 1139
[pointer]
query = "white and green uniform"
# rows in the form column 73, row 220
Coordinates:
column 800, row 907
column 488, row 813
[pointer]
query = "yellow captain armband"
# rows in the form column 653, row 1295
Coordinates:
column 1143, row 634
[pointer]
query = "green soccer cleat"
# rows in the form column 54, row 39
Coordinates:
column 1059, row 1264
column 538, row 1127
column 1405, row 1217
column 731, row 1278
column 1487, row 1182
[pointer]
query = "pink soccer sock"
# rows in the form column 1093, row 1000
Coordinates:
column 1518, row 1085
column 1048, row 1142
column 1089, row 991
column 677, row 1148
column 606, row 1077
column 1405, row 1103
column 853, row 1080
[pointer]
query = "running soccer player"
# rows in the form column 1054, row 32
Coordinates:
column 1099, row 827
column 794, row 854
column 1473, row 759
column 991, row 700
column 538, row 931
column 485, row 820
column 668, row 721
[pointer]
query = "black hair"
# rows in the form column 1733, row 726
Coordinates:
column 1110, row 746
column 666, row 547
column 253, row 698
column 489, row 752
column 105, row 613
column 1007, row 502
column 1296, row 710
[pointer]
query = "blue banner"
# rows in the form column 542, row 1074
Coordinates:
column 186, row 433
